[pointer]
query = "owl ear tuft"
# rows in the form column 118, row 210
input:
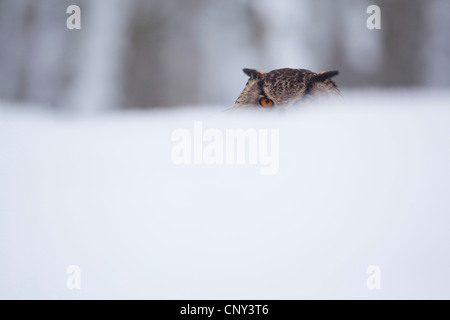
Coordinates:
column 252, row 73
column 324, row 75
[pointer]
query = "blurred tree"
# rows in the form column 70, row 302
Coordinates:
column 162, row 58
column 437, row 46
column 33, row 42
column 403, row 36
column 389, row 57
column 147, row 53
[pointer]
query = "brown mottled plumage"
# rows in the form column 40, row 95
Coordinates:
column 284, row 88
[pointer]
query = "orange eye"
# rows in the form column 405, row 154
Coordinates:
column 264, row 102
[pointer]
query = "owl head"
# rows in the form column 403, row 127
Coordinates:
column 284, row 88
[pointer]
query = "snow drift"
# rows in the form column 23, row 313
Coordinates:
column 361, row 183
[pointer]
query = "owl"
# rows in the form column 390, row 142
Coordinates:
column 284, row 88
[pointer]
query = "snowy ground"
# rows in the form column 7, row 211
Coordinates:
column 359, row 184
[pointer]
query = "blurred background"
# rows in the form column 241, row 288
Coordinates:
column 154, row 53
column 361, row 183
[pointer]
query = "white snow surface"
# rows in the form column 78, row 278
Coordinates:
column 365, row 182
